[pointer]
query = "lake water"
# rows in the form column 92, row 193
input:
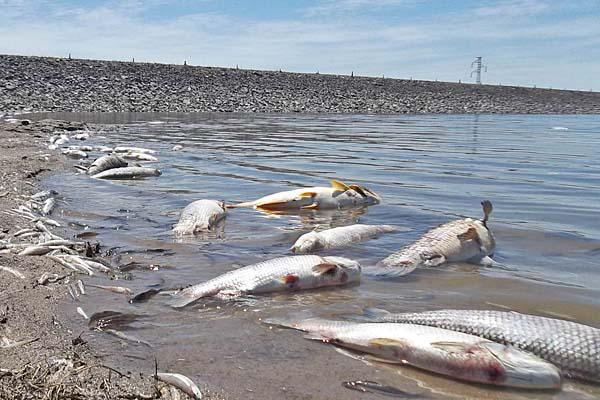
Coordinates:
column 542, row 174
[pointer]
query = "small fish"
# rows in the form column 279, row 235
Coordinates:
column 278, row 274
column 127, row 173
column 44, row 194
column 338, row 237
column 125, row 336
column 573, row 347
column 378, row 388
column 140, row 157
column 81, row 136
column 338, row 196
column 12, row 271
column 48, row 206
column 105, row 163
column 35, row 251
column 177, row 147
column 128, row 149
column 81, row 148
column 114, row 289
column 454, row 354
column 462, row 240
column 200, row 215
column 75, row 153
column 181, row 382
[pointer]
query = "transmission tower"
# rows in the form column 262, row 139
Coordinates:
column 478, row 65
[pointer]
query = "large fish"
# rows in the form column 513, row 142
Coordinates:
column 466, row 240
column 573, row 347
column 104, row 163
column 278, row 274
column 338, row 196
column 338, row 237
column 445, row 352
column 200, row 215
column 127, row 173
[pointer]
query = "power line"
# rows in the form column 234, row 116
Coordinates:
column 478, row 65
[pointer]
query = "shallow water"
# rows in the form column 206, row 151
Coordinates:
column 544, row 183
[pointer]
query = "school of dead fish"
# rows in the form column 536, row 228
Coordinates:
column 448, row 345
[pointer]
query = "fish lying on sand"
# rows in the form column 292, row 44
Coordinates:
column 338, row 237
column 48, row 206
column 454, row 354
column 104, row 163
column 338, row 196
column 127, row 173
column 200, row 215
column 181, row 382
column 466, row 240
column 278, row 274
column 75, row 153
column 573, row 347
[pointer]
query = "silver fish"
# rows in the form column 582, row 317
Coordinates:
column 445, row 352
column 75, row 153
column 573, row 347
column 44, row 194
column 462, row 240
column 338, row 196
column 140, row 157
column 129, row 149
column 200, row 215
column 127, row 173
column 114, row 289
column 278, row 274
column 106, row 162
column 338, row 237
column 48, row 206
column 181, row 382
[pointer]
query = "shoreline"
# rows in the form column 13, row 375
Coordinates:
column 46, row 84
column 44, row 352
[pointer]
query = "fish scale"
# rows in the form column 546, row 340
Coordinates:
column 573, row 347
column 199, row 215
column 338, row 237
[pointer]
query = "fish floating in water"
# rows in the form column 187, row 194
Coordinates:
column 140, row 157
column 454, row 354
column 129, row 149
column 338, row 237
column 338, row 196
column 127, row 173
column 573, row 347
column 200, row 215
column 462, row 240
column 278, row 274
column 104, row 163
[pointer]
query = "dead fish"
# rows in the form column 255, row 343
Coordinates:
column 75, row 153
column 127, row 337
column 338, row 237
column 127, row 173
column 181, row 382
column 81, row 136
column 81, row 148
column 466, row 240
column 200, row 215
column 35, row 251
column 49, row 278
column 278, row 274
column 114, row 289
column 140, row 157
column 48, row 206
column 128, row 149
column 338, row 196
column 454, row 354
column 105, row 163
column 378, row 388
column 103, row 149
column 12, row 271
column 44, row 194
column 177, row 147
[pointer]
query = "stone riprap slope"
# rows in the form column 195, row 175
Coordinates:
column 58, row 84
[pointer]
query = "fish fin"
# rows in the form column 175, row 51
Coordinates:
column 358, row 190
column 434, row 260
column 306, row 195
column 272, row 206
column 179, row 301
column 371, row 357
column 470, row 234
column 452, row 347
column 393, row 348
column 386, row 342
column 325, row 268
column 238, row 205
column 487, row 210
column 282, row 323
column 312, row 206
column 316, row 336
column 339, row 185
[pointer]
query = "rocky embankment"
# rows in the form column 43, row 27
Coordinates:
column 59, row 84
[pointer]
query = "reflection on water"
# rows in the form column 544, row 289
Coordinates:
column 544, row 183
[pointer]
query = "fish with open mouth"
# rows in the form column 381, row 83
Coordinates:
column 338, row 237
column 573, row 347
column 465, row 240
column 275, row 275
column 200, row 215
column 454, row 354
column 338, row 196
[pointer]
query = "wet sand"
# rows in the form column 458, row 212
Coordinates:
column 50, row 357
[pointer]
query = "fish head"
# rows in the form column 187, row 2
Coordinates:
column 524, row 369
column 346, row 270
column 486, row 238
column 307, row 243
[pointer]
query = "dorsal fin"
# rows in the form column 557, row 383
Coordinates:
column 487, row 210
column 339, row 185
column 358, row 190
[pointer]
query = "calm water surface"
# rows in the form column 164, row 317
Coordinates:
column 544, row 183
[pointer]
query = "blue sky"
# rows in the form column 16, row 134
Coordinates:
column 523, row 42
